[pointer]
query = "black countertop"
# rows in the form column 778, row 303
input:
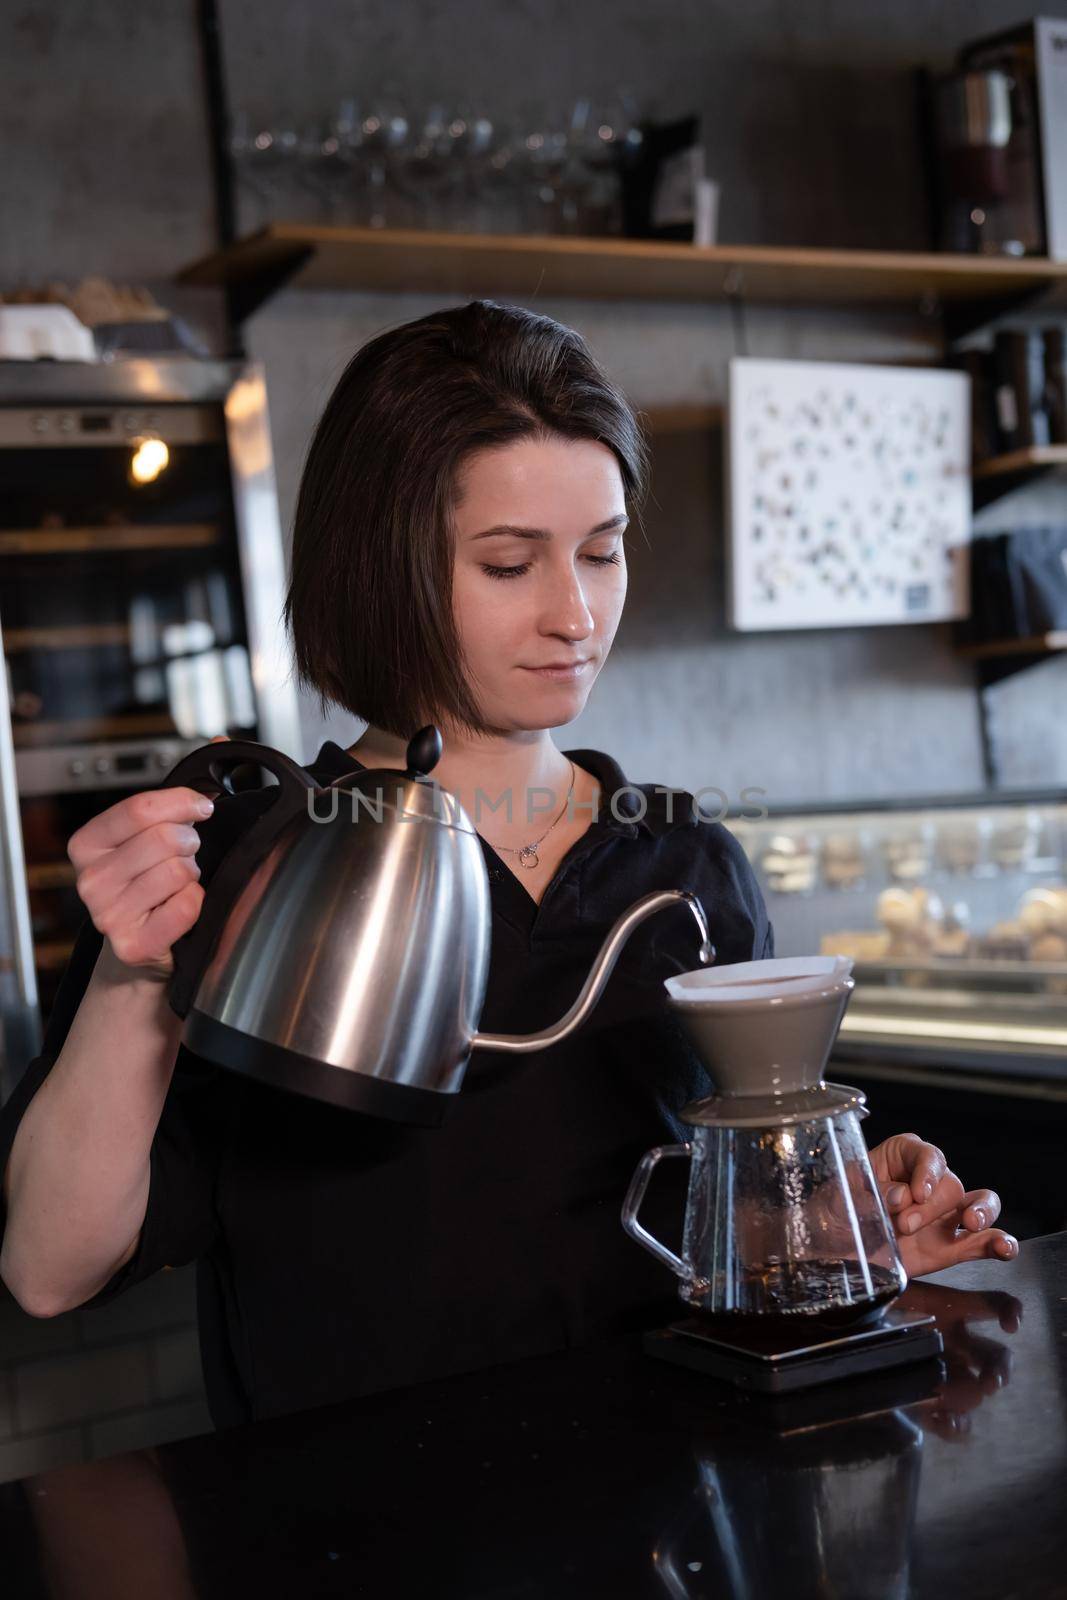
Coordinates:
column 600, row 1472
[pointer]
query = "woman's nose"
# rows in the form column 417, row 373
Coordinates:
column 565, row 610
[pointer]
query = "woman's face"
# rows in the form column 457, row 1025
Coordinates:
column 540, row 575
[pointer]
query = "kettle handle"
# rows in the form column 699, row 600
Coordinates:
column 209, row 770
column 634, row 1196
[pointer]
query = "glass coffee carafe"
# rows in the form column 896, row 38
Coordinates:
column 785, row 1230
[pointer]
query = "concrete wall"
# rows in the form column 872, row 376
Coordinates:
column 809, row 125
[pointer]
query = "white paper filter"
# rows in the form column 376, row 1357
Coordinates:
column 759, row 981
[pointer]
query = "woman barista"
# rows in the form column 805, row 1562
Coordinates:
column 458, row 557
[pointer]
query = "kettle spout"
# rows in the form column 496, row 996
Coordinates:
column 601, row 971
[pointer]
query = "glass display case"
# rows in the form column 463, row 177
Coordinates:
column 954, row 911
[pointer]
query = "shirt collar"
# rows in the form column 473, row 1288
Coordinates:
column 332, row 761
column 621, row 818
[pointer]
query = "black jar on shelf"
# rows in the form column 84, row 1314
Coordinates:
column 978, row 365
column 1019, row 378
column 1055, row 341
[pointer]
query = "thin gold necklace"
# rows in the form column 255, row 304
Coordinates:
column 527, row 853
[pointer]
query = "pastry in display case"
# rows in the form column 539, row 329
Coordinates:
column 954, row 912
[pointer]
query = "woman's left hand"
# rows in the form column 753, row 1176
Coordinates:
column 937, row 1221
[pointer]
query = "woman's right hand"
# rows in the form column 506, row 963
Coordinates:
column 136, row 873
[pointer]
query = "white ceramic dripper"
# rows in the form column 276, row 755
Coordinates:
column 765, row 1029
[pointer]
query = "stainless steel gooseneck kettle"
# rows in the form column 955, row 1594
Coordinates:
column 342, row 948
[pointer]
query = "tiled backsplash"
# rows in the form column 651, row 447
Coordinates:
column 92, row 1383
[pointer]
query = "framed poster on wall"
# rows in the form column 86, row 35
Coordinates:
column 849, row 494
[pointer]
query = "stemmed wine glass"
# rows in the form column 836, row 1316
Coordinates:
column 501, row 199
column 385, row 133
column 543, row 163
column 424, row 175
column 470, row 140
column 328, row 152
column 379, row 163
column 262, row 155
column 601, row 137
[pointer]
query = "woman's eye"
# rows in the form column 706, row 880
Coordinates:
column 517, row 572
column 505, row 572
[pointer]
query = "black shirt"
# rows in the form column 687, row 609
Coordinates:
column 339, row 1254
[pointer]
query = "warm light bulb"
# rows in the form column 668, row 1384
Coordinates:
column 149, row 459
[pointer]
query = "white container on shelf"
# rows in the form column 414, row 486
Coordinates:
column 42, row 332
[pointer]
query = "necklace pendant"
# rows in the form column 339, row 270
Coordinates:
column 528, row 857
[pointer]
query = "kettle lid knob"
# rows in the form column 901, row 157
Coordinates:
column 424, row 752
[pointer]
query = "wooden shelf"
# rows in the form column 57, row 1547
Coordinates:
column 1030, row 460
column 682, row 419
column 998, row 659
column 92, row 635
column 52, row 955
column 121, row 536
column 80, row 730
column 1041, row 644
column 49, row 955
column 535, row 266
column 999, row 475
column 50, row 874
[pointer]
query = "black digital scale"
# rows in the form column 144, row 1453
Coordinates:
column 782, row 1362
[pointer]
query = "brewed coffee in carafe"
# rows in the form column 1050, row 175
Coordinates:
column 785, row 1230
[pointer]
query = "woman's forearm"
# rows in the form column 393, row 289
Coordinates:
column 76, row 1181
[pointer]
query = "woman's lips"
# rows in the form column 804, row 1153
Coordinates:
column 564, row 674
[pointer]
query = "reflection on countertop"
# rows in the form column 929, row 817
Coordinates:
column 599, row 1471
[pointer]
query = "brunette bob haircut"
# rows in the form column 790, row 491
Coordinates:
column 369, row 605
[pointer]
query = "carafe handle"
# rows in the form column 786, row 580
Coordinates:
column 209, row 770
column 636, row 1193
